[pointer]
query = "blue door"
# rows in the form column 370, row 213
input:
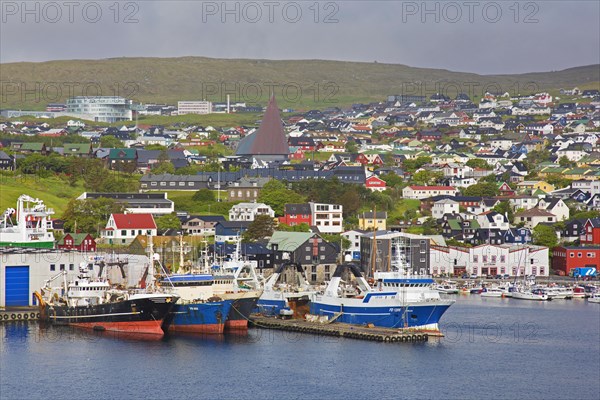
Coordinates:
column 17, row 286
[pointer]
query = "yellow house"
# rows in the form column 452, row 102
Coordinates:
column 545, row 186
column 366, row 220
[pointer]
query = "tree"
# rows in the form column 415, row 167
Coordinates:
column 90, row 215
column 392, row 180
column 275, row 194
column 559, row 181
column 168, row 221
column 165, row 167
column 411, row 165
column 111, row 142
column 482, row 189
column 351, row 147
column 544, row 235
column 566, row 163
column 426, row 177
column 505, row 208
column 478, row 163
column 262, row 227
column 204, row 196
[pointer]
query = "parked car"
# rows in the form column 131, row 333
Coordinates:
column 464, row 276
column 498, row 277
column 506, row 276
column 473, row 276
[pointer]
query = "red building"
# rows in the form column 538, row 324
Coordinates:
column 506, row 190
column 374, row 183
column 78, row 241
column 296, row 214
column 591, row 232
column 564, row 259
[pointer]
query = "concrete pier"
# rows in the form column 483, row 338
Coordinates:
column 359, row 332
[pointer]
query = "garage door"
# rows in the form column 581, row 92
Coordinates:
column 17, row 286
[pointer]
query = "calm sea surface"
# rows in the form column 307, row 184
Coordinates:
column 493, row 349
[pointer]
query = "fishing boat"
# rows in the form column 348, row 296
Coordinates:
column 29, row 225
column 93, row 303
column 398, row 300
column 277, row 297
column 236, row 280
column 492, row 292
column 199, row 310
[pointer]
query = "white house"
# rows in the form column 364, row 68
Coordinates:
column 556, row 207
column 493, row 220
column 445, row 206
column 249, row 211
column 354, row 237
column 123, row 228
column 423, row 192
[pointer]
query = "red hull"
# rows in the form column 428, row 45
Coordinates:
column 236, row 325
column 151, row 328
column 198, row 328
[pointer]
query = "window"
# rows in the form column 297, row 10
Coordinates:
column 307, row 258
column 579, row 255
column 572, row 255
column 52, row 267
column 172, row 183
column 71, row 267
column 62, row 267
column 123, row 232
column 484, row 258
column 493, row 258
column 475, row 258
column 591, row 255
column 502, row 258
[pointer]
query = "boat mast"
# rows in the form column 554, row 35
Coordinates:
column 374, row 247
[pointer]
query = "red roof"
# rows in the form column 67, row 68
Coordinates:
column 134, row 221
column 432, row 188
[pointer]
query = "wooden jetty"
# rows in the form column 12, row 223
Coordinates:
column 360, row 332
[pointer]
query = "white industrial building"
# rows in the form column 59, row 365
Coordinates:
column 101, row 108
column 327, row 217
column 489, row 259
column 194, row 107
column 24, row 271
column 249, row 211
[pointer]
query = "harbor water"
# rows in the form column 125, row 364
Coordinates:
column 493, row 348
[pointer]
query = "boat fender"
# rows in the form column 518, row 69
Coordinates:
column 37, row 315
column 387, row 339
column 413, row 337
column 32, row 315
column 407, row 338
column 19, row 316
column 380, row 338
column 426, row 337
column 26, row 316
column 419, row 338
column 5, row 316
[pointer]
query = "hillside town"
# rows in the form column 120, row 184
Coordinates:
column 476, row 186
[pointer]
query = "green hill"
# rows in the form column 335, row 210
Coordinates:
column 298, row 83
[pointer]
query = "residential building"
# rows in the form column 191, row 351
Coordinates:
column 296, row 214
column 590, row 235
column 327, row 218
column 423, row 192
column 123, row 228
column 200, row 224
column 230, row 231
column 369, row 221
column 83, row 242
column 7, row 162
column 249, row 211
column 444, row 206
column 354, row 237
column 375, row 184
column 246, row 189
column 534, row 216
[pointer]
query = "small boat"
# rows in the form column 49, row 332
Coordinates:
column 579, row 292
column 557, row 293
column 476, row 290
column 535, row 294
column 447, row 288
column 595, row 298
column 492, row 292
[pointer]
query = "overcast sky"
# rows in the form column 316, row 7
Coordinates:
column 475, row 36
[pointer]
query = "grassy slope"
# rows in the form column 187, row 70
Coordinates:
column 54, row 191
column 188, row 78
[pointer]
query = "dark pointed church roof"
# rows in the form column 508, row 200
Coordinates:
column 269, row 139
